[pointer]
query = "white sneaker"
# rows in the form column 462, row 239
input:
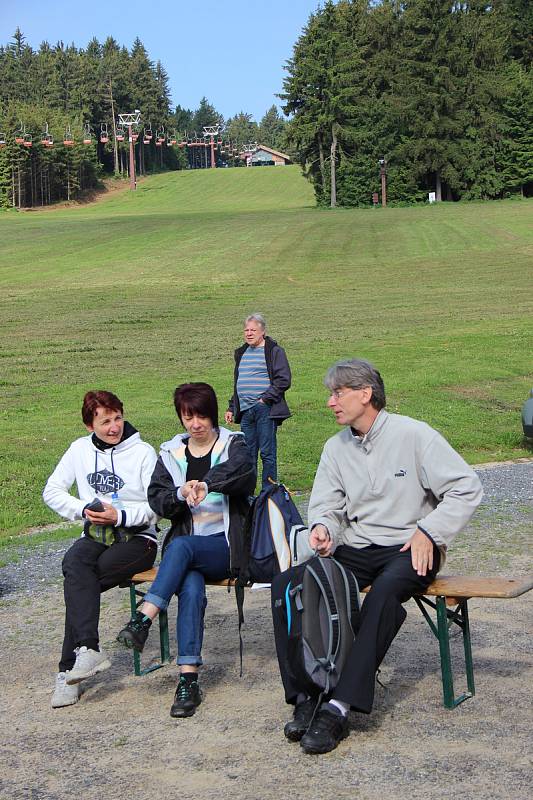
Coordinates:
column 88, row 663
column 65, row 695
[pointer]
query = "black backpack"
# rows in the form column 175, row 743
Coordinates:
column 322, row 605
column 267, row 531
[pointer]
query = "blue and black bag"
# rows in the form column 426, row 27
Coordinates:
column 322, row 607
column 267, row 533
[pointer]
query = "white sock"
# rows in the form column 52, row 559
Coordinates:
column 343, row 707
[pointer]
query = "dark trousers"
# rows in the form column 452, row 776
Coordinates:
column 260, row 437
column 393, row 581
column 90, row 568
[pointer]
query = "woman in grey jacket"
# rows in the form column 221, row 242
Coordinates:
column 201, row 482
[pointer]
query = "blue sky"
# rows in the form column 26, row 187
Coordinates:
column 231, row 52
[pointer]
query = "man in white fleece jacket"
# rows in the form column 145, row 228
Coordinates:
column 390, row 494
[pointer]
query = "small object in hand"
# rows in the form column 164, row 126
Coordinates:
column 96, row 505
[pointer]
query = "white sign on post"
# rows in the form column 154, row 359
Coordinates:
column 432, row 197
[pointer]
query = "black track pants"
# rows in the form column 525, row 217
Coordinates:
column 90, row 568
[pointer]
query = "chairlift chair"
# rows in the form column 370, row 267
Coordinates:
column 68, row 140
column 47, row 138
column 28, row 140
column 2, row 140
column 104, row 135
column 19, row 136
column 87, row 138
column 148, row 134
column 120, row 134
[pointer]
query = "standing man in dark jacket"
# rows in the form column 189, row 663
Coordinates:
column 262, row 376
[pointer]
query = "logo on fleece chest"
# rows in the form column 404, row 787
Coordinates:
column 104, row 482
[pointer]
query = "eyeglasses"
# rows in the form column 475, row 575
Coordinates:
column 338, row 394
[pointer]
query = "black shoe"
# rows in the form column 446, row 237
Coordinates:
column 135, row 634
column 301, row 719
column 327, row 730
column 187, row 698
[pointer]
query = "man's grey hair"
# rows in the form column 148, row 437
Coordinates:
column 357, row 374
column 257, row 318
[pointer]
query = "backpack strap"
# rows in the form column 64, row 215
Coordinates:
column 319, row 574
column 239, row 597
column 352, row 595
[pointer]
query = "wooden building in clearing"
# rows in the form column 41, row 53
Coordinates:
column 265, row 156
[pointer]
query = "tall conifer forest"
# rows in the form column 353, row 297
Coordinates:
column 55, row 99
column 439, row 91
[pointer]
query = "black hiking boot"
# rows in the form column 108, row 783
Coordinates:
column 327, row 730
column 301, row 719
column 135, row 634
column 187, row 698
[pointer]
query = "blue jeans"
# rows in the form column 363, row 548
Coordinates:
column 187, row 562
column 260, row 436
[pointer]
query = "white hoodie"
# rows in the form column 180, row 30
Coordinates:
column 125, row 468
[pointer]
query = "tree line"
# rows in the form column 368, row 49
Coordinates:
column 65, row 94
column 440, row 90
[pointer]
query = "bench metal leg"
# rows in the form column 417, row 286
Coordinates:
column 445, row 619
column 163, row 635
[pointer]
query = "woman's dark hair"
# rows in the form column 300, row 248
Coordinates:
column 93, row 399
column 196, row 398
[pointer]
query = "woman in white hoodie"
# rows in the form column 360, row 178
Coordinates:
column 112, row 468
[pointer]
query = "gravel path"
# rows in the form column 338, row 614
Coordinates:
column 119, row 740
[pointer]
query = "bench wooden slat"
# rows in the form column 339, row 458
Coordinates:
column 443, row 585
column 472, row 586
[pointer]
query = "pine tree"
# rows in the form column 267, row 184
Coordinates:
column 271, row 128
column 206, row 115
column 241, row 129
column 515, row 157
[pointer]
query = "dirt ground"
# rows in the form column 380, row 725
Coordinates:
column 119, row 740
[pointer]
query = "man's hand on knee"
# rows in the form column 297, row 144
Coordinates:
column 421, row 548
column 320, row 540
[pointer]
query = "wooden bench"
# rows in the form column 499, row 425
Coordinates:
column 451, row 593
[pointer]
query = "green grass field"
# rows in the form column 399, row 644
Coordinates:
column 141, row 291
